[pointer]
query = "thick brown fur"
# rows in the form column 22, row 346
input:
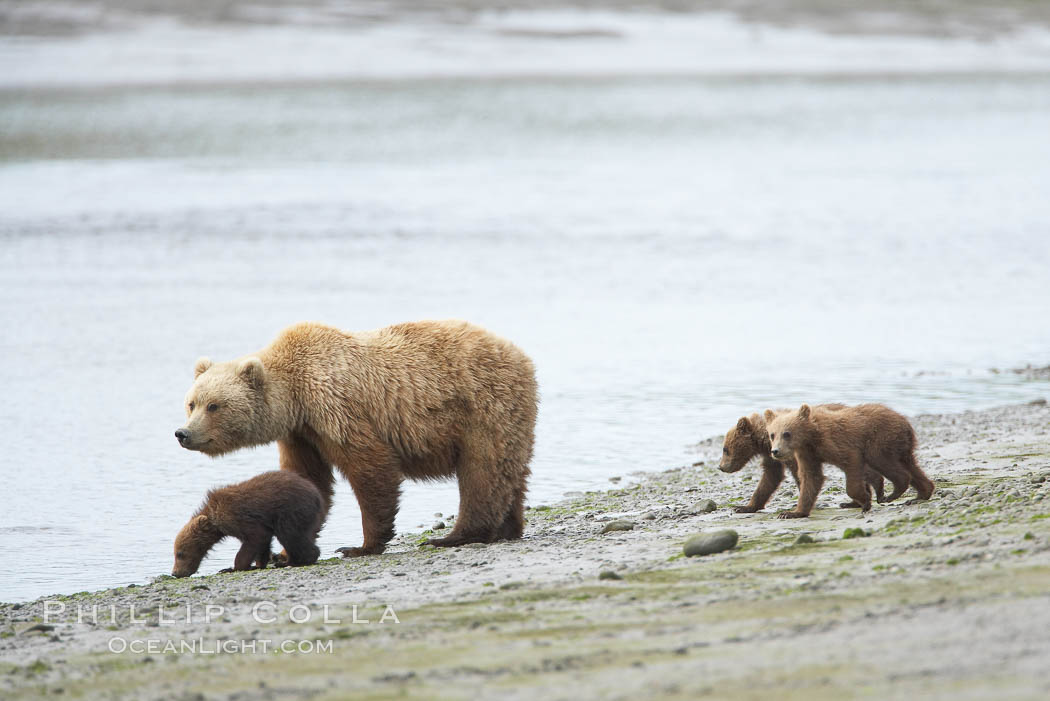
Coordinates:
column 870, row 434
column 424, row 401
column 749, row 438
column 273, row 504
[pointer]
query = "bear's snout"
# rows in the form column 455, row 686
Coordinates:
column 182, row 436
column 777, row 452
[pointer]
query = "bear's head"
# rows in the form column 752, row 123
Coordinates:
column 787, row 430
column 226, row 407
column 741, row 444
column 192, row 543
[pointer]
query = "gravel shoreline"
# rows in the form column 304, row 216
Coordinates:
column 571, row 611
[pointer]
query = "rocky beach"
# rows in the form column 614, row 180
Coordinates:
column 947, row 598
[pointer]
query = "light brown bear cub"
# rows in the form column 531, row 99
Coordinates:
column 424, row 401
column 280, row 504
column 749, row 438
column 849, row 438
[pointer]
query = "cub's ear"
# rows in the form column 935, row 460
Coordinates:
column 202, row 366
column 201, row 521
column 803, row 411
column 769, row 415
column 252, row 371
column 743, row 425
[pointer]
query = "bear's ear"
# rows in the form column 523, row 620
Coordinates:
column 803, row 412
column 252, row 371
column 201, row 367
column 769, row 415
column 743, row 425
column 201, row 521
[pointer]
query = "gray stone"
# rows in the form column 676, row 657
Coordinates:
column 804, row 538
column 618, row 526
column 709, row 543
column 438, row 526
column 608, row 574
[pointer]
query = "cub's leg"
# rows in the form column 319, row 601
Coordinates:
column 252, row 543
column 897, row 474
column 772, row 476
column 811, row 479
column 875, row 482
column 856, row 484
column 922, row 483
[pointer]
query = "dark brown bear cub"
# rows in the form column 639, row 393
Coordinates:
column 278, row 503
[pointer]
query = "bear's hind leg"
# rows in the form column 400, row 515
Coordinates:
column 857, row 485
column 514, row 523
column 897, row 475
column 300, row 547
column 922, row 483
column 874, row 482
column 486, row 493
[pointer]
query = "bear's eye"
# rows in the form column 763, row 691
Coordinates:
column 787, row 435
column 192, row 405
column 725, row 451
column 213, row 407
column 772, row 436
column 179, row 555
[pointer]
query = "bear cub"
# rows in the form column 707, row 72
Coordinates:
column 851, row 438
column 277, row 503
column 749, row 438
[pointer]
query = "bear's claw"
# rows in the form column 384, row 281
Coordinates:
column 791, row 514
column 745, row 509
column 357, row 552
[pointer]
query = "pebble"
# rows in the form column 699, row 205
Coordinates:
column 438, row 526
column 805, row 538
column 617, row 526
column 709, row 543
column 608, row 574
column 705, row 506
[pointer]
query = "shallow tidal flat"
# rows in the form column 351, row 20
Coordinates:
column 936, row 599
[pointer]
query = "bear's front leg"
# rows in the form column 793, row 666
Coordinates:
column 376, row 482
column 299, row 455
column 811, row 479
column 772, row 476
column 243, row 560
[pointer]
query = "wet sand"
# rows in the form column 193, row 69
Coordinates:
column 947, row 598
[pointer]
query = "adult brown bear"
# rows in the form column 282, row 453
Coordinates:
column 425, row 400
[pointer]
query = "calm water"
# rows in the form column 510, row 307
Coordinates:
column 672, row 253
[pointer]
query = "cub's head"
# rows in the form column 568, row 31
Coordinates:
column 786, row 430
column 225, row 406
column 740, row 446
column 191, row 545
